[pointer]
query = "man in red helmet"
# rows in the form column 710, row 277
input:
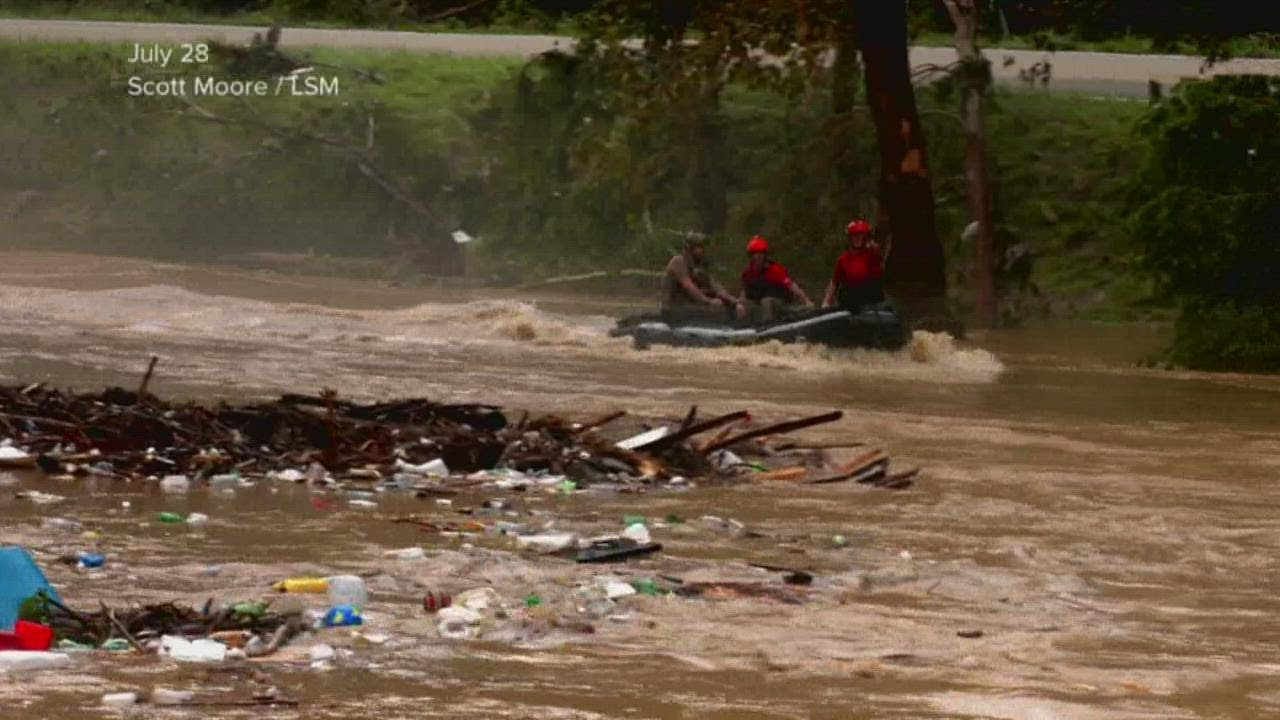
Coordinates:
column 689, row 293
column 766, row 285
column 859, row 276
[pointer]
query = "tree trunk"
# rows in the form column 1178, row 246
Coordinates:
column 915, row 270
column 974, row 77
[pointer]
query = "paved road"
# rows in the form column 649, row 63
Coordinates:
column 1099, row 73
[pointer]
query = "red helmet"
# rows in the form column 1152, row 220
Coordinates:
column 757, row 245
column 859, row 227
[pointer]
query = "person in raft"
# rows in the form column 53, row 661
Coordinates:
column 859, row 275
column 767, row 287
column 689, row 293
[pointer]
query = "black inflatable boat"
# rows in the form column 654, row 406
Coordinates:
column 871, row 326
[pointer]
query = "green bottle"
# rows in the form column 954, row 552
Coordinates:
column 168, row 517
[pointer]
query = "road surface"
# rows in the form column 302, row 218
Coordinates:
column 1092, row 72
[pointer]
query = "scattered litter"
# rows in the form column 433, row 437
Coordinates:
column 410, row 553
column 120, row 699
column 547, row 543
column 434, row 601
column 302, row 585
column 164, row 696
column 22, row 661
column 13, row 458
column 348, row 590
column 638, row 534
column 616, row 590
column 614, row 550
column 185, row 650
column 343, row 616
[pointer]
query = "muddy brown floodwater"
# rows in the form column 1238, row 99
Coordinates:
column 1111, row 531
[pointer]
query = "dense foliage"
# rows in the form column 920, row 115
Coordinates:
column 1209, row 218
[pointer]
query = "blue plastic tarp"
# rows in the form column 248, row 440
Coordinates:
column 20, row 578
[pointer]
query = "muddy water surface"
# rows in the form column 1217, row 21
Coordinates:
column 1111, row 531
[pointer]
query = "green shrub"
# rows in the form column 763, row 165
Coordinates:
column 1208, row 217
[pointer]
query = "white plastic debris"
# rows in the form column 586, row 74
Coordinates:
column 165, row 696
column 435, row 468
column 725, row 460
column 224, row 481
column 291, row 475
column 410, row 553
column 119, row 699
column 24, row 660
column 478, row 599
column 547, row 543
column 615, row 590
column 644, row 438
column 197, row 519
column 457, row 623
column 60, row 524
column 203, row 650
column 362, row 504
column 42, row 498
column 12, row 457
column 637, row 532
column 320, row 653
column 175, row 484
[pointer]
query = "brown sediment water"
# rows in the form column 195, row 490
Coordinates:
column 1110, row 530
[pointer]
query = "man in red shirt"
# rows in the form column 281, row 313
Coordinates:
column 859, row 275
column 766, row 284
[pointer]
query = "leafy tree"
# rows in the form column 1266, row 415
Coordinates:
column 1208, row 218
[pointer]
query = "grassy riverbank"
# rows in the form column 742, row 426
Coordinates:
column 97, row 170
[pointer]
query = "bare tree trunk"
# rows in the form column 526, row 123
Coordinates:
column 975, row 76
column 915, row 269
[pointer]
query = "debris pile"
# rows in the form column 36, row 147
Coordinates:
column 125, row 434
column 169, row 628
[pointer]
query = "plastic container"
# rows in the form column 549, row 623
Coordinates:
column 175, row 484
column 637, row 533
column 20, row 578
column 343, row 616
column 435, row 601
column 91, row 560
column 302, row 585
column 348, row 590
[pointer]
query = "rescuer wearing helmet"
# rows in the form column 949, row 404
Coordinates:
column 766, row 285
column 690, row 293
column 859, row 276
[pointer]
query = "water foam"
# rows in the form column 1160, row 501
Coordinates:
column 168, row 312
